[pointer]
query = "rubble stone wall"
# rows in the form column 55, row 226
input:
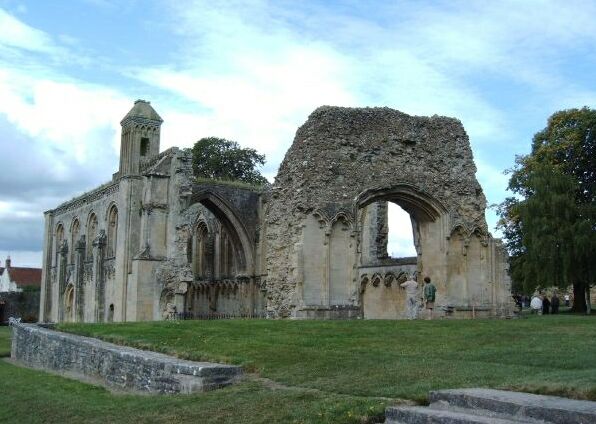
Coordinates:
column 343, row 159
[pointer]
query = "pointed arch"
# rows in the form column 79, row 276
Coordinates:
column 341, row 253
column 75, row 231
column 236, row 230
column 58, row 239
column 418, row 203
column 91, row 232
column 112, row 233
column 201, row 257
column 69, row 303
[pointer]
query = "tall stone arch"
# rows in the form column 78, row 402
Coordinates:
column 229, row 218
column 75, row 231
column 202, row 250
column 343, row 159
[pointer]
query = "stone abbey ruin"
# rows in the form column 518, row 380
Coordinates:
column 156, row 243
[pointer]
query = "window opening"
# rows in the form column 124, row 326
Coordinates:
column 400, row 238
column 144, row 146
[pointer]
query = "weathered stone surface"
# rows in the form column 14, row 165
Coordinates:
column 156, row 243
column 550, row 409
column 462, row 406
column 117, row 367
column 419, row 415
column 344, row 159
column 153, row 263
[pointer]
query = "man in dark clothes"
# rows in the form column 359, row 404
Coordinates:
column 554, row 304
column 545, row 305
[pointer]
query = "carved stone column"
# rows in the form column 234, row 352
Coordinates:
column 79, row 281
column 99, row 245
column 61, row 273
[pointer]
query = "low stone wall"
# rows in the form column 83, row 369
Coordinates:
column 116, row 367
column 24, row 305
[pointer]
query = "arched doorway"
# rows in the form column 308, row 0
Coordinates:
column 379, row 273
column 343, row 159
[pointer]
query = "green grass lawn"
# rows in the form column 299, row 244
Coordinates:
column 335, row 371
column 4, row 342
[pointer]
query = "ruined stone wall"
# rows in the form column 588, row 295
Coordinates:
column 314, row 243
column 82, row 261
column 117, row 367
column 229, row 284
column 343, row 159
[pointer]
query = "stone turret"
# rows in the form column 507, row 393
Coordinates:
column 140, row 137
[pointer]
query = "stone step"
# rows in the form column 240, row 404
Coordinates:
column 422, row 415
column 522, row 406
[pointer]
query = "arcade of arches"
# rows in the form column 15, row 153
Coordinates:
column 154, row 244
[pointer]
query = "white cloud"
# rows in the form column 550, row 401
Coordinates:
column 253, row 71
column 16, row 210
column 252, row 57
column 260, row 105
column 21, row 258
column 69, row 117
column 16, row 34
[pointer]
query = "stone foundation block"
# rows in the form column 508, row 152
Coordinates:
column 116, row 367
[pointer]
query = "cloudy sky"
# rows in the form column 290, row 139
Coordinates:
column 252, row 71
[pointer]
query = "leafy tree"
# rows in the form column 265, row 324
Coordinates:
column 510, row 225
column 550, row 229
column 223, row 159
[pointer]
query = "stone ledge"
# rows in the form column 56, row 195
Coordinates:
column 113, row 366
column 488, row 406
column 528, row 406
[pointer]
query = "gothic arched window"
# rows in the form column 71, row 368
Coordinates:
column 200, row 265
column 75, row 230
column 91, row 233
column 59, row 238
column 112, row 231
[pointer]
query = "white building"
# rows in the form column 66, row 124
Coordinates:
column 14, row 279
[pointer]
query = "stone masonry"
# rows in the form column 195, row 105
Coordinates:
column 343, row 160
column 116, row 367
column 156, row 243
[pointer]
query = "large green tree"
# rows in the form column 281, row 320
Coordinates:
column 550, row 227
column 223, row 159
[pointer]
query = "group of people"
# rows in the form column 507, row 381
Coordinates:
column 429, row 293
column 542, row 305
column 539, row 304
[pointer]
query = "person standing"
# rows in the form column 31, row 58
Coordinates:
column 411, row 287
column 429, row 296
column 554, row 303
column 536, row 305
column 545, row 305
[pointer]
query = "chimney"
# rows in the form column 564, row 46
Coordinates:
column 7, row 265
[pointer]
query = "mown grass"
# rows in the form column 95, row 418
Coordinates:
column 30, row 396
column 395, row 359
column 4, row 342
column 337, row 371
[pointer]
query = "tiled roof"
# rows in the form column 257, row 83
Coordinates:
column 25, row 276
column 142, row 109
